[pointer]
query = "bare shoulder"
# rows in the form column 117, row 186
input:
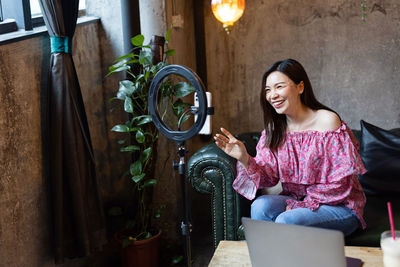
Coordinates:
column 327, row 120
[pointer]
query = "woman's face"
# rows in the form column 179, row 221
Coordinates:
column 282, row 93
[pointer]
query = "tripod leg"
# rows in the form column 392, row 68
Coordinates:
column 186, row 225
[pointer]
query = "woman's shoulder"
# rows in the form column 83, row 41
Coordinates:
column 327, row 120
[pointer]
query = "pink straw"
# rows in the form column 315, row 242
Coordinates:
column 389, row 205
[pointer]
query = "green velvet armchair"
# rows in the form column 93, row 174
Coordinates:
column 211, row 171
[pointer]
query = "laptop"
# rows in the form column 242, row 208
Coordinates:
column 286, row 245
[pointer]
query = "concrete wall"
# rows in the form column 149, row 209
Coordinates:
column 353, row 66
column 25, row 224
column 24, row 217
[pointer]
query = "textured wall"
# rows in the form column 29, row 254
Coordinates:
column 111, row 163
column 24, row 217
column 168, row 189
column 25, row 224
column 353, row 66
column 152, row 18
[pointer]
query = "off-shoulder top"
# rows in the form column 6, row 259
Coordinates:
column 314, row 167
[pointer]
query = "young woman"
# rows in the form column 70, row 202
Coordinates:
column 308, row 148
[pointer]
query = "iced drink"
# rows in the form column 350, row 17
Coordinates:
column 390, row 249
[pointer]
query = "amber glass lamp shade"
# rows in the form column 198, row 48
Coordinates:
column 227, row 11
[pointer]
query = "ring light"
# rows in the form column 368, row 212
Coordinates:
column 195, row 81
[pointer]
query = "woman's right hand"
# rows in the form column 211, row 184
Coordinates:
column 231, row 146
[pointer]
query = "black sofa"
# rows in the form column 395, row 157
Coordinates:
column 211, row 171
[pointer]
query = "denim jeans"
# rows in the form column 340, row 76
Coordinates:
column 273, row 208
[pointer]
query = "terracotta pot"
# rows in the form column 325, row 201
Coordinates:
column 142, row 253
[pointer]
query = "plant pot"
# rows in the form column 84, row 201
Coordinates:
column 142, row 253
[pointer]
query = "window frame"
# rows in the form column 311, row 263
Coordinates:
column 1, row 13
column 17, row 15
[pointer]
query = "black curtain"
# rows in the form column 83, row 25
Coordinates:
column 78, row 219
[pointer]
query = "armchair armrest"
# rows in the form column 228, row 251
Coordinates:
column 211, row 171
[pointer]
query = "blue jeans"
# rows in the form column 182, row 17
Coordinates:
column 273, row 208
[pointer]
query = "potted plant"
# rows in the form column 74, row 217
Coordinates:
column 140, row 133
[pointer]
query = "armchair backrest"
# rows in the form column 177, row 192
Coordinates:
column 250, row 141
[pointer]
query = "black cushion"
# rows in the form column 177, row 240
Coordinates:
column 380, row 152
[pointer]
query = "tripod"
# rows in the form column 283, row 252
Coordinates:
column 180, row 136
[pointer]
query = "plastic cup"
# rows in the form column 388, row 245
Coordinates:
column 390, row 249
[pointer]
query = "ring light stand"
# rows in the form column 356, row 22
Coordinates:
column 180, row 136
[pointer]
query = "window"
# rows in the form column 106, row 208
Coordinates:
column 36, row 12
column 23, row 14
column 1, row 14
column 35, row 7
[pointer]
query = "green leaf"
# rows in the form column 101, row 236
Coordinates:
column 137, row 40
column 120, row 66
column 121, row 142
column 145, row 57
column 148, row 235
column 146, row 154
column 134, row 129
column 121, row 96
column 138, row 178
column 159, row 65
column 146, row 75
column 132, row 61
column 116, row 65
column 150, row 182
column 167, row 35
column 179, row 107
column 120, row 128
column 185, row 118
column 118, row 70
column 138, row 118
column 145, row 119
column 182, row 89
column 166, row 89
column 124, row 57
column 177, row 259
column 136, row 168
column 126, row 87
column 140, row 137
column 129, row 148
column 170, row 52
column 140, row 77
column 128, row 106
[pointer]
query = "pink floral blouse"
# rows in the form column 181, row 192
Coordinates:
column 314, row 167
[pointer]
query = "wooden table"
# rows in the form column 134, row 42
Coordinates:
column 235, row 253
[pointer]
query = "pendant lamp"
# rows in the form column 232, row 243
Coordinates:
column 227, row 12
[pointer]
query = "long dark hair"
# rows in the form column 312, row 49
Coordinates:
column 275, row 124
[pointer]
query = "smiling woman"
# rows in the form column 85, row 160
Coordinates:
column 281, row 92
column 306, row 147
